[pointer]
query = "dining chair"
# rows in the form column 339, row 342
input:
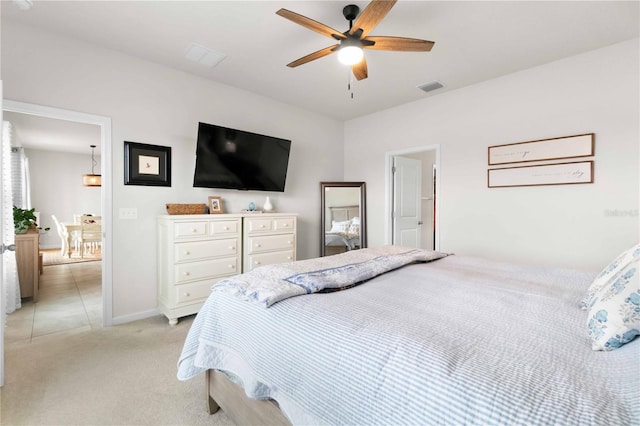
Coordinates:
column 62, row 233
column 90, row 233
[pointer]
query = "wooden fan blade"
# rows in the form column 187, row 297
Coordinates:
column 311, row 24
column 371, row 16
column 360, row 70
column 312, row 56
column 398, row 43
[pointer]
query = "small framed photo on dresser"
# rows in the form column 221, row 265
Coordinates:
column 215, row 205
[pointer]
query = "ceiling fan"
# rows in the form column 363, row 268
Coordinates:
column 356, row 38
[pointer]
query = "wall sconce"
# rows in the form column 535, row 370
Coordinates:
column 92, row 179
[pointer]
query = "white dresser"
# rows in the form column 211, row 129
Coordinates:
column 268, row 239
column 196, row 251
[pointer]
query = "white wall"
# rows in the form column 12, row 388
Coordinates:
column 152, row 104
column 569, row 225
column 56, row 188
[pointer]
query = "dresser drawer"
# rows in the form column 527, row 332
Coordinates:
column 205, row 249
column 224, row 227
column 270, row 243
column 193, row 292
column 190, row 229
column 193, row 271
column 258, row 225
column 284, row 224
column 256, row 260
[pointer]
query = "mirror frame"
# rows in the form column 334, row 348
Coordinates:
column 363, row 210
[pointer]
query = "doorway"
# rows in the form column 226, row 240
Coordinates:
column 411, row 201
column 104, row 124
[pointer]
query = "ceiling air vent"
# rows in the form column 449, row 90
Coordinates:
column 429, row 87
column 204, row 56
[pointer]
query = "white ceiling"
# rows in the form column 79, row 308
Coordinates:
column 50, row 134
column 474, row 41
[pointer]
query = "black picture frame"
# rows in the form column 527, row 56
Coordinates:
column 155, row 159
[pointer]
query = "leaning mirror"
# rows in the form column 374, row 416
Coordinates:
column 342, row 217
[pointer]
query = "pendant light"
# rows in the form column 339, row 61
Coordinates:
column 92, row 179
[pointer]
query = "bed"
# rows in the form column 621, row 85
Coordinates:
column 438, row 340
column 343, row 229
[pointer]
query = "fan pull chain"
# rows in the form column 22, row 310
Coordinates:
column 350, row 83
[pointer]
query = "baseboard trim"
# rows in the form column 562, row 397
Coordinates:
column 134, row 317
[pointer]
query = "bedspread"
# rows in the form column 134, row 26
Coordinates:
column 460, row 341
column 269, row 284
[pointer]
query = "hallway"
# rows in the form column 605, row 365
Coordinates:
column 70, row 300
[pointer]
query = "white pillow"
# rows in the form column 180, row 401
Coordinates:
column 609, row 273
column 354, row 229
column 355, row 220
column 342, row 226
column 614, row 316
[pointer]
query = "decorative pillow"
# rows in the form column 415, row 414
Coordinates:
column 614, row 317
column 342, row 226
column 355, row 220
column 354, row 229
column 610, row 272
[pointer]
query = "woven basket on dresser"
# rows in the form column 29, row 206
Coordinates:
column 187, row 208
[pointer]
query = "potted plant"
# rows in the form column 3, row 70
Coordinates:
column 24, row 219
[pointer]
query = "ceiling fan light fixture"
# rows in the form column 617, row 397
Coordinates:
column 350, row 55
column 350, row 52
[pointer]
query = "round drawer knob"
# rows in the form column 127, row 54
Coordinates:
column 262, row 226
column 258, row 245
column 187, row 274
column 187, row 253
column 194, row 230
column 288, row 242
column 286, row 225
column 288, row 257
column 231, row 266
column 187, row 294
column 232, row 248
column 226, row 228
column 257, row 263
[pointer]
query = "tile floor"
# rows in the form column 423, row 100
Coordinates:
column 70, row 300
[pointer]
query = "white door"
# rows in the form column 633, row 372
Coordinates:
column 2, row 302
column 407, row 206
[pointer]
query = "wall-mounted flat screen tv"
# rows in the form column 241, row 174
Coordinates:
column 236, row 159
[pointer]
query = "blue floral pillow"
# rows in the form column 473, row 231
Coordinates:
column 614, row 316
column 609, row 273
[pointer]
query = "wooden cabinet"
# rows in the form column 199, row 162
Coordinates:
column 27, row 254
column 197, row 251
column 268, row 239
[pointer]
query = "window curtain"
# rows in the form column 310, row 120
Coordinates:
column 20, row 178
column 9, row 268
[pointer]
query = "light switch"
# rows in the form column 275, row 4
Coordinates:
column 128, row 213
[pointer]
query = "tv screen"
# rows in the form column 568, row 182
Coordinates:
column 235, row 159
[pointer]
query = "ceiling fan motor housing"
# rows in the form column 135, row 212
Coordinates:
column 350, row 12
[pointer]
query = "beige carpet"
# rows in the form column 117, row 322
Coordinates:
column 121, row 375
column 54, row 257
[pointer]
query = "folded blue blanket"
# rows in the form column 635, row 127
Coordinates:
column 272, row 283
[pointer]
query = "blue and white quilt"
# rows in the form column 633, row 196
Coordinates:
column 459, row 341
column 269, row 284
